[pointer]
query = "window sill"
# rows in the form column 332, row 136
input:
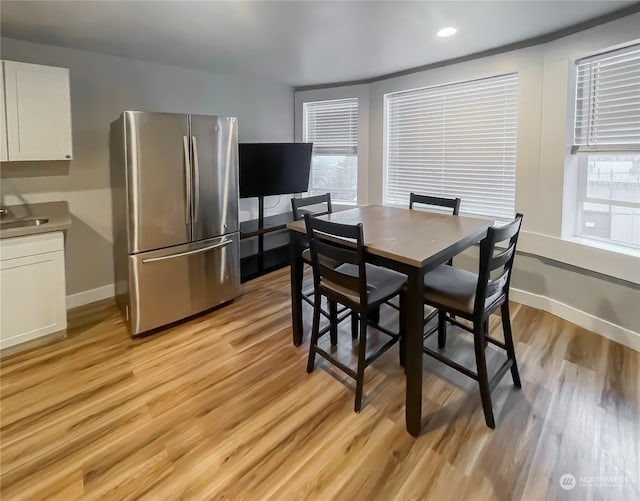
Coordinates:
column 614, row 261
column 606, row 246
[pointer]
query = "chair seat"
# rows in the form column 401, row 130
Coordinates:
column 453, row 288
column 382, row 283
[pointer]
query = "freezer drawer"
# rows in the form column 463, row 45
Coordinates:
column 170, row 284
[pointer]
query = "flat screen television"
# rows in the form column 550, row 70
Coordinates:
column 273, row 168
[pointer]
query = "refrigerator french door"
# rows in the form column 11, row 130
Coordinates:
column 179, row 187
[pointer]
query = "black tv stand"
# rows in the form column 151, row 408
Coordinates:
column 264, row 243
column 261, row 224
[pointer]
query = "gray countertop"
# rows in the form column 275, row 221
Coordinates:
column 56, row 212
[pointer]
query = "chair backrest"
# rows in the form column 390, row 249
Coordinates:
column 331, row 245
column 452, row 203
column 297, row 205
column 496, row 263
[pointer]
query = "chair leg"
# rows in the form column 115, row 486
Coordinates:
column 354, row 324
column 508, row 341
column 362, row 355
column 442, row 329
column 401, row 324
column 315, row 329
column 483, row 378
column 486, row 331
column 333, row 319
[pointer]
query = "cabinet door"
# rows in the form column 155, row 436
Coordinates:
column 32, row 301
column 32, row 289
column 38, row 110
column 3, row 121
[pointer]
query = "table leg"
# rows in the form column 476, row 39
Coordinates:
column 295, row 249
column 413, row 353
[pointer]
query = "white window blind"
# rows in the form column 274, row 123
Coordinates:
column 456, row 140
column 332, row 126
column 608, row 100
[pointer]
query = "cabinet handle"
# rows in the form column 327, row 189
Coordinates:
column 67, row 156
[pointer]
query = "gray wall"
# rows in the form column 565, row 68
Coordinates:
column 101, row 87
column 604, row 297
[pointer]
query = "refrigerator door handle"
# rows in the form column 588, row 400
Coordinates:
column 187, row 253
column 187, row 176
column 196, row 174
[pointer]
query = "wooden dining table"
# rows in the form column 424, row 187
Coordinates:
column 412, row 242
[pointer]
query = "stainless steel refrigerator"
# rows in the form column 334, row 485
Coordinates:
column 174, row 184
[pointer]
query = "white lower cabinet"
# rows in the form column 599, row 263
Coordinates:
column 32, row 287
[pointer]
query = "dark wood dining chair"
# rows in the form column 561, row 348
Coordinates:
column 359, row 286
column 475, row 297
column 317, row 205
column 450, row 203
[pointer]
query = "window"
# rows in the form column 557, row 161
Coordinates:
column 607, row 141
column 332, row 127
column 455, row 140
column 609, row 198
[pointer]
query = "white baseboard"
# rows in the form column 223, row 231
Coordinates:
column 90, row 296
column 581, row 318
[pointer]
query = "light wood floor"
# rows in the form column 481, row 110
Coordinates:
column 221, row 408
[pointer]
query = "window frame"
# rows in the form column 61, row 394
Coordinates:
column 581, row 153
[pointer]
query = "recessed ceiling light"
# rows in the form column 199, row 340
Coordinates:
column 447, row 32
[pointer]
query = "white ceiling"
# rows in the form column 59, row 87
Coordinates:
column 298, row 43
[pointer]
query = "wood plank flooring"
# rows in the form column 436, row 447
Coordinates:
column 221, row 407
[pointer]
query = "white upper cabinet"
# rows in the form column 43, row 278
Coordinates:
column 38, row 112
column 3, row 123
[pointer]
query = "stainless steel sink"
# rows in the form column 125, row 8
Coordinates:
column 21, row 223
